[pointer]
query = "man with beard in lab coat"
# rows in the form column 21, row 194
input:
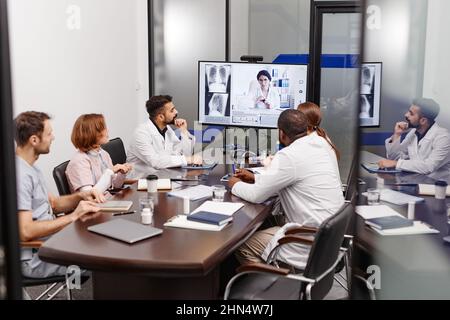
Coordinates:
column 426, row 148
column 154, row 144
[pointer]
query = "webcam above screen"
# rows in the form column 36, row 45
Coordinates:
column 252, row 59
column 249, row 94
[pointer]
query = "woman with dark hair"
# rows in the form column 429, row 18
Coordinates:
column 264, row 95
column 314, row 116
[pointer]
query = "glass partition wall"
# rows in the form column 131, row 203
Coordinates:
column 408, row 38
column 277, row 30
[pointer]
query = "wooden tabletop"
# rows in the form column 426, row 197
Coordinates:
column 177, row 252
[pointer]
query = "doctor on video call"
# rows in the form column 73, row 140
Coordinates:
column 264, row 95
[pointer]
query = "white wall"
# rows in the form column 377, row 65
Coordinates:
column 186, row 32
column 102, row 67
column 437, row 65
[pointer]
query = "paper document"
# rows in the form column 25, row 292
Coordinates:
column 193, row 193
column 163, row 184
column 372, row 212
column 428, row 190
column 181, row 221
column 227, row 208
column 418, row 228
column 396, row 197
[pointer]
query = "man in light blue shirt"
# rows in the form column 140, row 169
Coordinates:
column 33, row 135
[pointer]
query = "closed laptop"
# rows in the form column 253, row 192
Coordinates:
column 125, row 230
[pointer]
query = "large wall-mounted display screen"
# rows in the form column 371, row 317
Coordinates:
column 248, row 94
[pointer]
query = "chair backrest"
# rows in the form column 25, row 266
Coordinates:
column 352, row 180
column 325, row 250
column 59, row 175
column 116, row 150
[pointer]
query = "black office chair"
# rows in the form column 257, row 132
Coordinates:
column 51, row 282
column 352, row 177
column 116, row 150
column 262, row 281
column 59, row 175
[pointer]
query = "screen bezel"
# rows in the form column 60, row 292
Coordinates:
column 241, row 62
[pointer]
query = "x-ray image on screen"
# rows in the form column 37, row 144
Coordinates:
column 217, row 77
column 367, row 79
column 366, row 102
column 218, row 105
column 370, row 98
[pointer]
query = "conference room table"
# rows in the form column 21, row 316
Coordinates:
column 178, row 264
column 405, row 266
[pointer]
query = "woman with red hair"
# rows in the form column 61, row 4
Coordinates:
column 91, row 166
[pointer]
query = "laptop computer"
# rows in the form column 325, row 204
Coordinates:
column 125, row 230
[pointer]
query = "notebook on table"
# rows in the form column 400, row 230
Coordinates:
column 193, row 193
column 374, row 168
column 125, row 230
column 210, row 218
column 389, row 222
column 115, row 205
column 181, row 221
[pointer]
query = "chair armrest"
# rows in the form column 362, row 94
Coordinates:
column 296, row 239
column 31, row 244
column 262, row 268
column 301, row 230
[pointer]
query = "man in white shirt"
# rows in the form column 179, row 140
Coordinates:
column 154, row 144
column 304, row 177
column 426, row 148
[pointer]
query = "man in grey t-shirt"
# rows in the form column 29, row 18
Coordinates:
column 33, row 134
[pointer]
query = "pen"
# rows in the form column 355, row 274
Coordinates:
column 123, row 213
column 233, row 168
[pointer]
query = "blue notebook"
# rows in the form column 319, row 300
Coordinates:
column 203, row 166
column 389, row 222
column 373, row 168
column 210, row 217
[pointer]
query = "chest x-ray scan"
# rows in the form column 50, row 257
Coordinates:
column 367, row 79
column 217, row 77
column 370, row 94
column 217, row 105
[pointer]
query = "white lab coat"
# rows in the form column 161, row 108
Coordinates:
column 273, row 97
column 430, row 154
column 148, row 149
column 305, row 177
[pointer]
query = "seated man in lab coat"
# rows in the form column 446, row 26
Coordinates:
column 154, row 144
column 304, row 176
column 426, row 148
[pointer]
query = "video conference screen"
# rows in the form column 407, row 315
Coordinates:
column 249, row 94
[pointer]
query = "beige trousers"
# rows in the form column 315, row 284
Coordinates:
column 252, row 249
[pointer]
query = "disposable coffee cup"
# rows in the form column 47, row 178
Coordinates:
column 152, row 183
column 440, row 189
